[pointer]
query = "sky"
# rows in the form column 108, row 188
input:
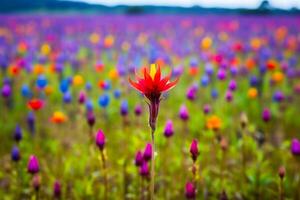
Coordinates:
column 283, row 4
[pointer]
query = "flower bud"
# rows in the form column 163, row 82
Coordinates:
column 33, row 165
column 169, row 130
column 6, row 91
column 190, row 190
column 36, row 182
column 57, row 189
column 100, row 139
column 281, row 172
column 124, row 108
column 82, row 97
column 15, row 154
column 295, row 147
column 243, row 120
column 194, row 150
column 18, row 134
column 183, row 113
column 266, row 115
column 144, row 169
column 91, row 118
column 138, row 110
column 148, row 152
column 139, row 159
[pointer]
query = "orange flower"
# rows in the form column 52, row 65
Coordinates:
column 35, row 104
column 213, row 123
column 58, row 117
column 252, row 93
column 271, row 64
column 277, row 77
column 78, row 80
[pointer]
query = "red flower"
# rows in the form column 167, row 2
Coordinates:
column 152, row 85
column 35, row 104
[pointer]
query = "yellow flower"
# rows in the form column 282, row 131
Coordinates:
column 113, row 74
column 78, row 80
column 94, row 38
column 58, row 117
column 206, row 43
column 45, row 49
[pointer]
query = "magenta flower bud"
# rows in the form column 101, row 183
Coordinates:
column 221, row 74
column 82, row 97
column 190, row 190
column 138, row 110
column 169, row 130
column 191, row 93
column 6, row 91
column 139, row 159
column 57, row 189
column 144, row 169
column 229, row 96
column 295, row 147
column 33, row 165
column 100, row 139
column 183, row 113
column 266, row 115
column 206, row 109
column 91, row 118
column 148, row 152
column 194, row 150
column 232, row 85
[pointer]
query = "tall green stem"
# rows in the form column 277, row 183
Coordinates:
column 152, row 165
column 105, row 174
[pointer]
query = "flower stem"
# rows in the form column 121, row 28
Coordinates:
column 105, row 174
column 152, row 165
column 281, row 192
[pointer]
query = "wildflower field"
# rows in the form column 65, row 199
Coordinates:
column 149, row 107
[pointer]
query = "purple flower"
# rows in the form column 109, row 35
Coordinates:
column 6, row 91
column 266, row 115
column 183, row 113
column 82, row 97
column 206, row 109
column 144, row 169
column 57, row 189
column 91, row 119
column 148, row 152
column 190, row 190
column 33, row 165
column 295, row 147
column 229, row 96
column 138, row 110
column 169, row 130
column 31, row 122
column 124, row 108
column 278, row 96
column 221, row 74
column 232, row 85
column 191, row 93
column 194, row 150
column 18, row 134
column 139, row 158
column 100, row 139
column 15, row 154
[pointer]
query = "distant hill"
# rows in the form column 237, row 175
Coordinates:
column 21, row 6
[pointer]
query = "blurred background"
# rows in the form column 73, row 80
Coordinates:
column 153, row 7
